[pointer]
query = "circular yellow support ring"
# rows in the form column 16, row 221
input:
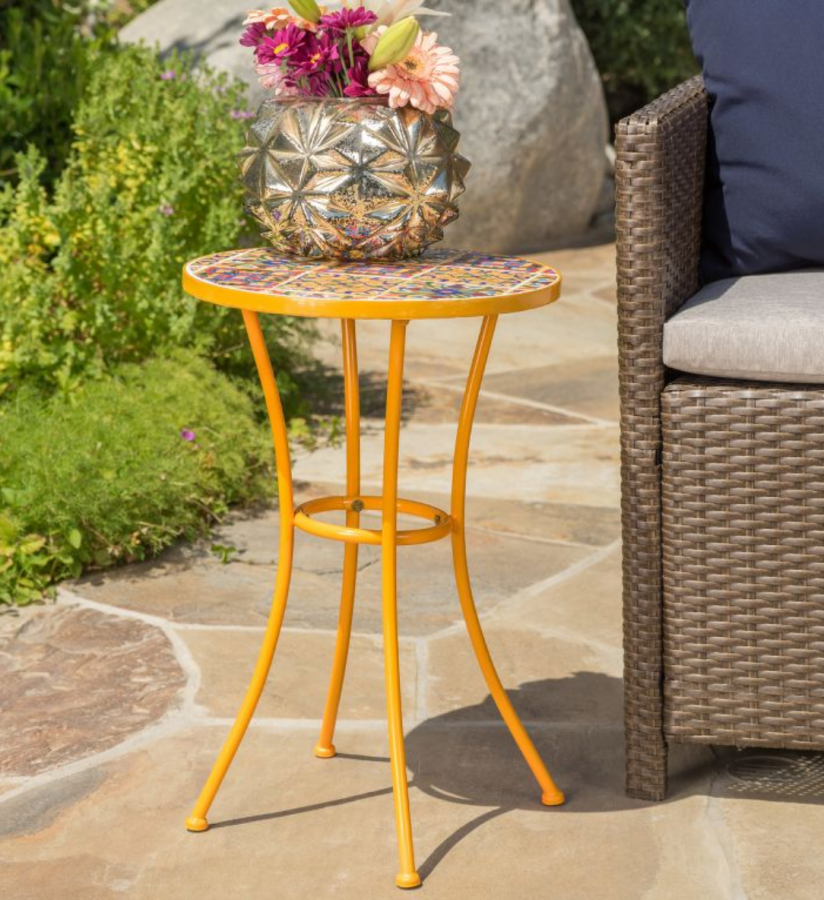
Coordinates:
column 303, row 519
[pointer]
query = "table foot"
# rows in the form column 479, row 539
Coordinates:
column 553, row 798
column 196, row 823
column 325, row 752
column 409, row 880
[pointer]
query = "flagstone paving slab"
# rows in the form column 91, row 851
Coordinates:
column 544, row 521
column 607, row 294
column 75, row 682
column 776, row 845
column 572, row 464
column 575, row 607
column 581, row 266
column 441, row 403
column 297, row 683
column 588, row 386
column 580, row 682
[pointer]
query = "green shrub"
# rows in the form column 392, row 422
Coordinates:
column 642, row 48
column 90, row 274
column 108, row 478
column 43, row 73
column 95, row 389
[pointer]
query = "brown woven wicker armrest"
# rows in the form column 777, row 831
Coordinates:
column 661, row 154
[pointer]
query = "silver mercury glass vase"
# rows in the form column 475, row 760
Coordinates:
column 351, row 179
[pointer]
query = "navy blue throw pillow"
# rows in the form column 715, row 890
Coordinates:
column 763, row 64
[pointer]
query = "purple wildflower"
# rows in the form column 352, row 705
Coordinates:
column 187, row 434
column 241, row 114
column 166, row 209
column 347, row 18
column 168, row 75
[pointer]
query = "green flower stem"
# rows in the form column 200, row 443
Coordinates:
column 340, row 86
column 349, row 45
column 346, row 74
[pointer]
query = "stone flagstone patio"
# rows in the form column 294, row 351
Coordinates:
column 116, row 699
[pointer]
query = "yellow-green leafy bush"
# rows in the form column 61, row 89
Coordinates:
column 90, row 272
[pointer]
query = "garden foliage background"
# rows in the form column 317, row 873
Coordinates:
column 129, row 416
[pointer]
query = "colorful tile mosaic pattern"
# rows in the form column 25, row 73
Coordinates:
column 438, row 274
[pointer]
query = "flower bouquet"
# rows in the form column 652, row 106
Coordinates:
column 354, row 156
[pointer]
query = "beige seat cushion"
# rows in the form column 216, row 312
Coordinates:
column 760, row 328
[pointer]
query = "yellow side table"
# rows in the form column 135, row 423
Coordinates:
column 440, row 284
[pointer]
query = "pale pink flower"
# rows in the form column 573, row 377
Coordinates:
column 272, row 77
column 276, row 18
column 427, row 79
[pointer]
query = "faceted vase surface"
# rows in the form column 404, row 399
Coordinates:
column 351, row 179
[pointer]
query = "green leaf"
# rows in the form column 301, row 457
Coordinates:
column 8, row 530
column 102, row 558
column 12, row 497
column 75, row 538
column 31, row 544
column 224, row 552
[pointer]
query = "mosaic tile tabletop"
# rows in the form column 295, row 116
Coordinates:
column 446, row 278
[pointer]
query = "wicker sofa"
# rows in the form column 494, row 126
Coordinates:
column 723, row 491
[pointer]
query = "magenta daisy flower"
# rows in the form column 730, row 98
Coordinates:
column 254, row 35
column 282, row 45
column 359, row 79
column 316, row 54
column 348, row 19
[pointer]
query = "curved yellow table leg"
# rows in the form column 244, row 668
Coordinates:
column 324, row 747
column 197, row 820
column 551, row 795
column 407, row 876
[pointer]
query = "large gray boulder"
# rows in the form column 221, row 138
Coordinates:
column 211, row 30
column 531, row 109
column 533, row 119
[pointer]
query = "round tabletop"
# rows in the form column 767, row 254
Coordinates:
column 441, row 284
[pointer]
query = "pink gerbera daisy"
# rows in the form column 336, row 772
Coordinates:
column 427, row 78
